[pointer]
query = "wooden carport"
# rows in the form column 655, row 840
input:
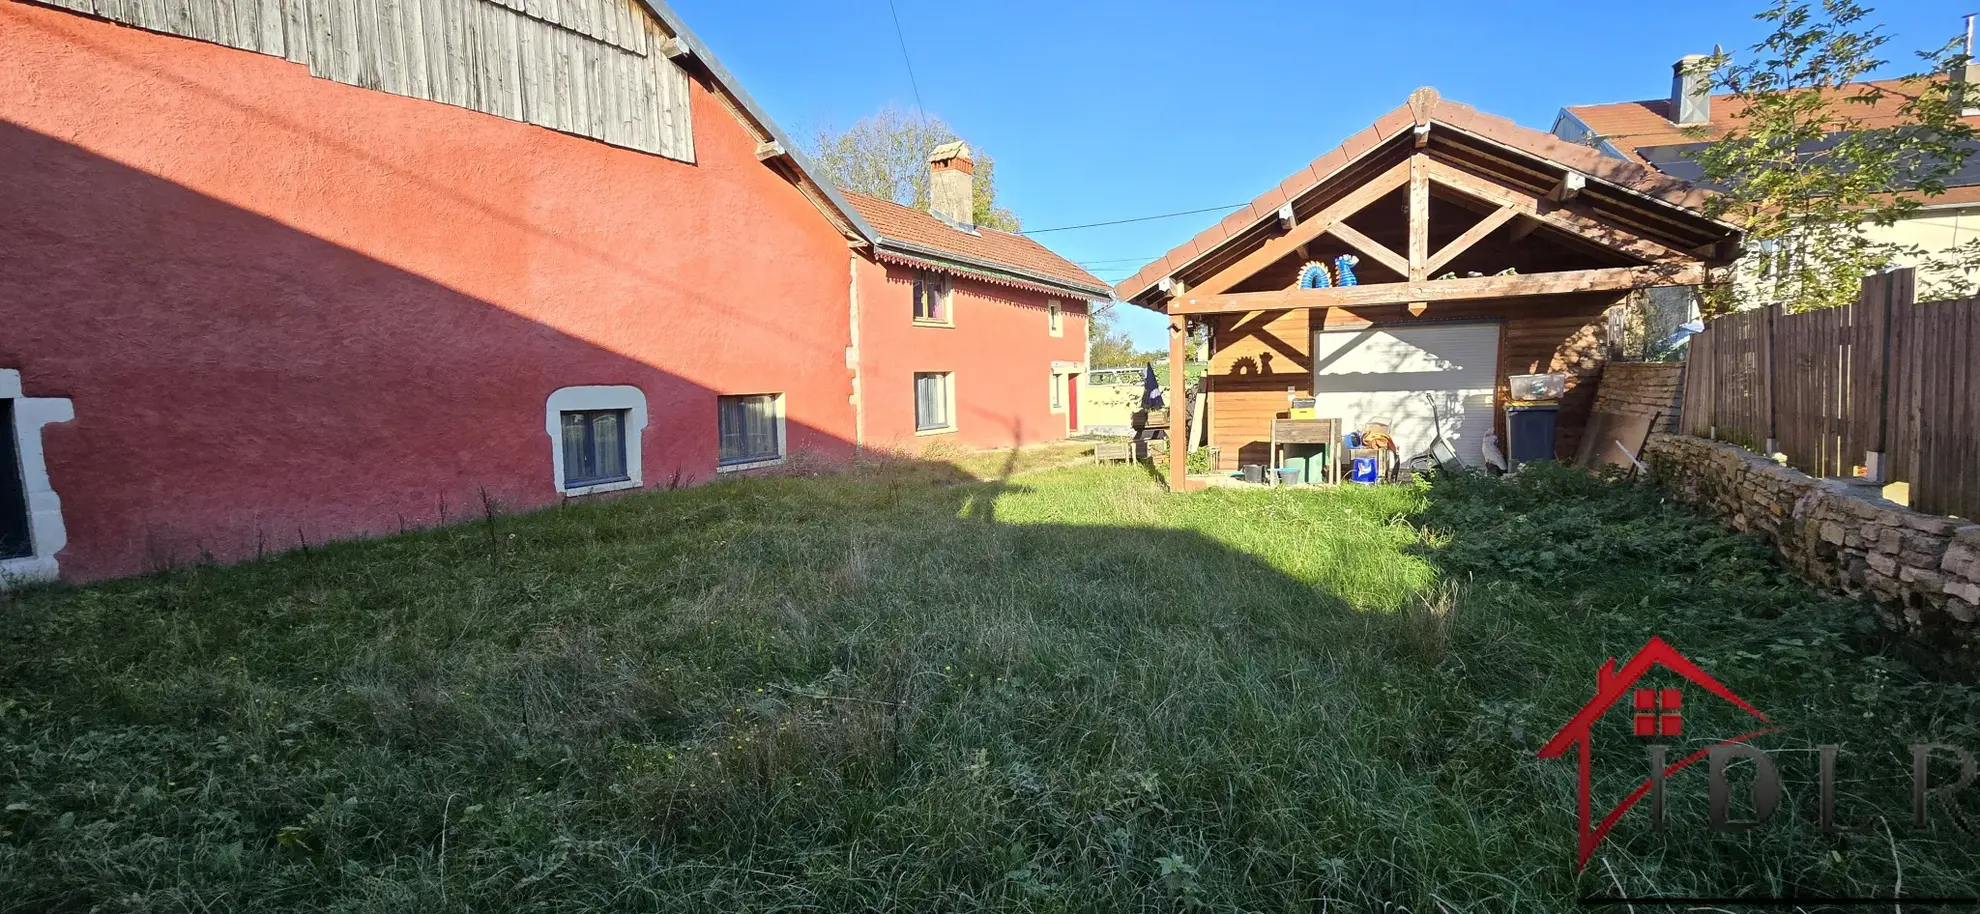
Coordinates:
column 1454, row 215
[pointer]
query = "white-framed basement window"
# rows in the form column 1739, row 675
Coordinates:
column 749, row 431
column 934, row 402
column 594, row 438
column 1055, row 318
column 31, row 527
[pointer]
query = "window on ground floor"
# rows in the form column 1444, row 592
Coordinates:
column 31, row 530
column 595, row 438
column 750, row 429
column 15, row 540
column 934, row 401
column 594, row 447
column 1058, row 391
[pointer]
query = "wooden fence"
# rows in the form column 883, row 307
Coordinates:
column 1887, row 376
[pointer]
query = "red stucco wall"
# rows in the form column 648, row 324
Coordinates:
column 291, row 309
column 999, row 349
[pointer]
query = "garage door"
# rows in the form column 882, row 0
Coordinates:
column 1420, row 378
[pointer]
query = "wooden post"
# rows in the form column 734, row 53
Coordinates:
column 1767, row 367
column 1178, row 404
column 1419, row 217
column 1876, row 457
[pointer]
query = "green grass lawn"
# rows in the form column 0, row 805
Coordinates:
column 941, row 687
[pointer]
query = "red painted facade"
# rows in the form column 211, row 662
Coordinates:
column 1000, row 351
column 292, row 310
column 288, row 310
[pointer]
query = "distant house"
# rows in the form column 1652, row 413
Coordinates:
column 966, row 333
column 280, row 272
column 1485, row 250
column 1659, row 133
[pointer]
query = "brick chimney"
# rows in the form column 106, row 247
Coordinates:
column 1966, row 79
column 952, row 185
column 1691, row 92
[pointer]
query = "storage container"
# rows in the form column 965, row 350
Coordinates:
column 1537, row 386
column 1367, row 471
column 1254, row 473
column 1290, row 476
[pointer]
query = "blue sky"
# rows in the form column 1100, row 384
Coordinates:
column 1105, row 109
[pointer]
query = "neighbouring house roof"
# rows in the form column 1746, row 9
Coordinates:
column 1642, row 132
column 1426, row 108
column 908, row 236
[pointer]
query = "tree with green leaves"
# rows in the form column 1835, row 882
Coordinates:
column 886, row 156
column 1803, row 170
column 1109, row 346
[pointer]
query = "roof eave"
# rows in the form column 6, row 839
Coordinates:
column 938, row 257
column 762, row 120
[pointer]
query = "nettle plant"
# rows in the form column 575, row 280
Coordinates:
column 1809, row 178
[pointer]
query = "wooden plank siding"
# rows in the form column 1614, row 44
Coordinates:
column 1257, row 356
column 585, row 67
column 1886, row 374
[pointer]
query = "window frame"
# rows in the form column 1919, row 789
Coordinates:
column 945, row 293
column 1055, row 317
column 1057, row 399
column 948, row 402
column 47, row 533
column 589, row 419
column 736, row 465
column 593, row 399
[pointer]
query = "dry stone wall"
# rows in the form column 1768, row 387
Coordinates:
column 1651, row 389
column 1922, row 571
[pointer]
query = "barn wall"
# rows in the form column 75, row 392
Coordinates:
column 1260, row 354
column 290, row 310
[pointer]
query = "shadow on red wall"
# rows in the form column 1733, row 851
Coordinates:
column 241, row 387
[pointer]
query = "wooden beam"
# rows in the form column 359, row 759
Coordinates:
column 1421, row 133
column 1523, row 228
column 1286, row 218
column 1555, row 215
column 1419, row 218
column 1471, row 237
column 672, row 48
column 1270, row 253
column 768, row 150
column 1375, row 250
column 1608, row 279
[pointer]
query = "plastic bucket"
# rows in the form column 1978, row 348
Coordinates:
column 1290, row 476
column 1367, row 471
column 1254, row 473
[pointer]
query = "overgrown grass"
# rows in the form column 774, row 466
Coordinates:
column 938, row 689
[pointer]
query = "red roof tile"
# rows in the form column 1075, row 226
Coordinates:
column 1630, row 126
column 1016, row 254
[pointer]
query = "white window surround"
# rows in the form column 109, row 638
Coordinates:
column 45, row 527
column 946, row 291
column 1058, row 392
column 1055, row 317
column 783, row 443
column 586, row 399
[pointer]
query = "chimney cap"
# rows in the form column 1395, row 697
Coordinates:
column 950, row 151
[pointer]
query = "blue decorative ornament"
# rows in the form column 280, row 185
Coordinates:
column 1314, row 276
column 1344, row 265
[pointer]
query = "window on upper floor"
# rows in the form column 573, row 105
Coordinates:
column 1054, row 319
column 933, row 299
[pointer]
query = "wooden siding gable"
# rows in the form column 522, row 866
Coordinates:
column 593, row 68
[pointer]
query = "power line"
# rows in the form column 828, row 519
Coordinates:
column 902, row 37
column 1189, row 212
column 1094, row 263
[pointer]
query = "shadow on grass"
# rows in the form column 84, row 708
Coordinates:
column 911, row 687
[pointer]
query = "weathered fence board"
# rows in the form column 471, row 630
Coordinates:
column 1826, row 388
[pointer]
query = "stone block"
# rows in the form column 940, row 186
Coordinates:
column 1964, row 590
column 1962, row 610
column 1885, row 565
